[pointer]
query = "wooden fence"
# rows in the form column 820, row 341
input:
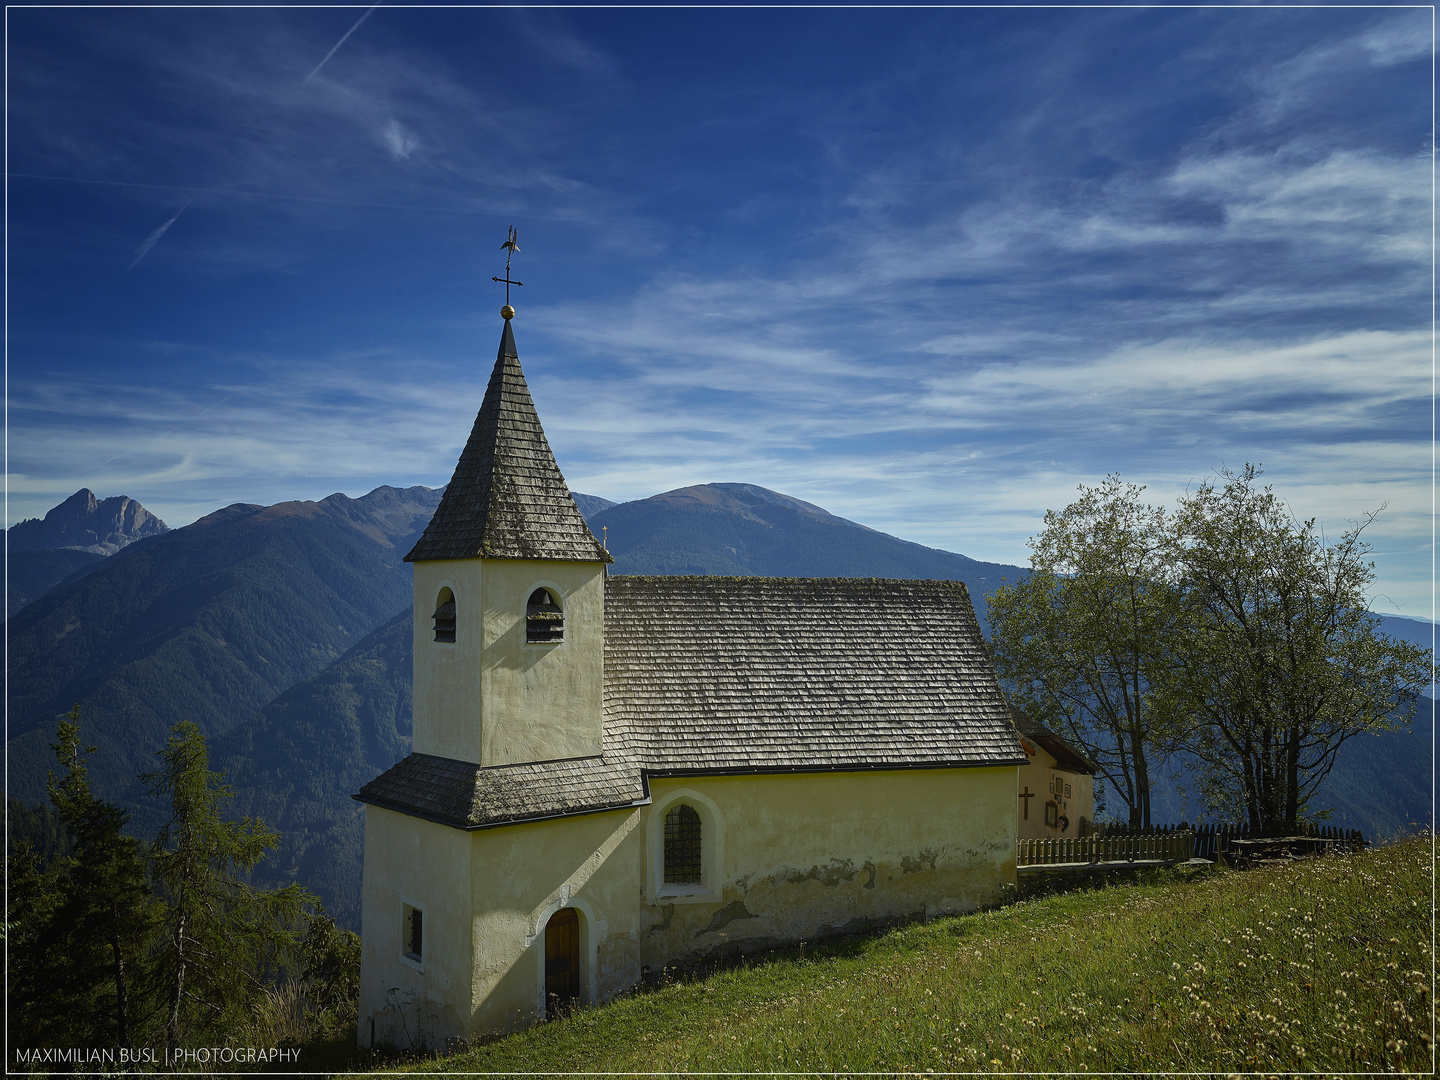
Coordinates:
column 1163, row 843
column 1211, row 840
column 1130, row 847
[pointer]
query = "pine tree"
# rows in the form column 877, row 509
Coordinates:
column 222, row 936
column 78, row 929
column 104, row 924
column 32, row 897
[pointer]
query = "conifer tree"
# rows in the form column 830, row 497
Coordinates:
column 32, row 896
column 104, row 922
column 78, row 930
column 222, row 936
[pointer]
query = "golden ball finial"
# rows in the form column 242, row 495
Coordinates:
column 507, row 312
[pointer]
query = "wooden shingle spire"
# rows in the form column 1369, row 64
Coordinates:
column 507, row 499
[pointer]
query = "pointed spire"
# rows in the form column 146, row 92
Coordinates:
column 507, row 499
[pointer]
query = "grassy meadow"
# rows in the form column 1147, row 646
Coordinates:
column 1317, row 966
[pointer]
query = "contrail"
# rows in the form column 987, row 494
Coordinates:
column 153, row 239
column 332, row 52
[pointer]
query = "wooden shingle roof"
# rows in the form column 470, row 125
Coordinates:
column 1066, row 756
column 726, row 675
column 507, row 499
column 762, row 674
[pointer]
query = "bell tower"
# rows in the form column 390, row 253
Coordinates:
column 509, row 602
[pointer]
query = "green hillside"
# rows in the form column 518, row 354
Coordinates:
column 207, row 623
column 1322, row 966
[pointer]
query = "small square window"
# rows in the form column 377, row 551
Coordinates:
column 412, row 933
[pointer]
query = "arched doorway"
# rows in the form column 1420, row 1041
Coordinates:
column 562, row 962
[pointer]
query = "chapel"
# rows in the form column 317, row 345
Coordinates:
column 613, row 774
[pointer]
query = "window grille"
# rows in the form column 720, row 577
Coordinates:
column 544, row 619
column 414, row 926
column 682, row 846
column 445, row 616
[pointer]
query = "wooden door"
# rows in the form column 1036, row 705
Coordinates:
column 562, row 962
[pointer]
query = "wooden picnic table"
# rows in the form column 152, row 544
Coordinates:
column 1275, row 848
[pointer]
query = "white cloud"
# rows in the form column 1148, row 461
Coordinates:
column 400, row 142
column 1407, row 36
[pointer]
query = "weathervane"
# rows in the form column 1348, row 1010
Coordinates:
column 510, row 247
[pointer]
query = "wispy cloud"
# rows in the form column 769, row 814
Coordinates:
column 928, row 269
column 154, row 238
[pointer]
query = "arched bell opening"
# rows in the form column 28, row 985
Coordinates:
column 544, row 618
column 445, row 616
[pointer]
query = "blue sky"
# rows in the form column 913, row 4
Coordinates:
column 929, row 269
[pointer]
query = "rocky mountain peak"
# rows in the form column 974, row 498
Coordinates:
column 84, row 523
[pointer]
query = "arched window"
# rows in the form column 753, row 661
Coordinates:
column 682, row 845
column 445, row 616
column 544, row 618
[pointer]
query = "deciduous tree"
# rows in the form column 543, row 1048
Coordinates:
column 1283, row 663
column 1085, row 642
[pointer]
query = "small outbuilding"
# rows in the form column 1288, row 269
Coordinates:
column 1057, row 779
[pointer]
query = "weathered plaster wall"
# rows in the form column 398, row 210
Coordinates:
column 447, row 674
column 410, row 860
column 1039, row 776
column 793, row 857
column 539, row 702
column 523, row 874
column 810, row 854
column 489, row 696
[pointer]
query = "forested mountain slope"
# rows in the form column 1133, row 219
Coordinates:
column 296, row 764
column 206, row 623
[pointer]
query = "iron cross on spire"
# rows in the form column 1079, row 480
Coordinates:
column 511, row 247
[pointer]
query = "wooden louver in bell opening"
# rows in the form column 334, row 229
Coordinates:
column 544, row 619
column 445, row 621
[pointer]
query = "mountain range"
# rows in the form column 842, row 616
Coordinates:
column 206, row 623
column 82, row 530
column 284, row 631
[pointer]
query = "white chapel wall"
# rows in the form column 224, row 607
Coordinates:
column 411, row 861
column 522, row 874
column 490, row 697
column 541, row 702
column 447, row 674
column 814, row 854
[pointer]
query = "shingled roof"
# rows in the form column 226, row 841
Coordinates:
column 1065, row 755
column 470, row 796
column 726, row 675
column 507, row 499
